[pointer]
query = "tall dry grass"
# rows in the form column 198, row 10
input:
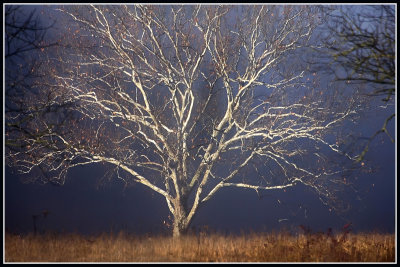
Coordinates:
column 256, row 247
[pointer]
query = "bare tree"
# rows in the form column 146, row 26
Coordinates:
column 360, row 48
column 24, row 37
column 187, row 100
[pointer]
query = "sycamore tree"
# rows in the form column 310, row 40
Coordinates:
column 186, row 100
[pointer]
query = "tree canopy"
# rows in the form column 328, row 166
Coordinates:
column 185, row 100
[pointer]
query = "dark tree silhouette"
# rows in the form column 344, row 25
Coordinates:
column 360, row 47
column 24, row 38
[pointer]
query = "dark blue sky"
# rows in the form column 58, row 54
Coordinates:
column 84, row 206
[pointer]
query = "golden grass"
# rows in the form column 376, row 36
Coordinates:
column 256, row 247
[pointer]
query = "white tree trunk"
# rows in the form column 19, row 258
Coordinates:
column 180, row 223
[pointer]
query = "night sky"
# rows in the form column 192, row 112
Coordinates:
column 88, row 206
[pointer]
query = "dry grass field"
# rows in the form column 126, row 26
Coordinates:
column 256, row 247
